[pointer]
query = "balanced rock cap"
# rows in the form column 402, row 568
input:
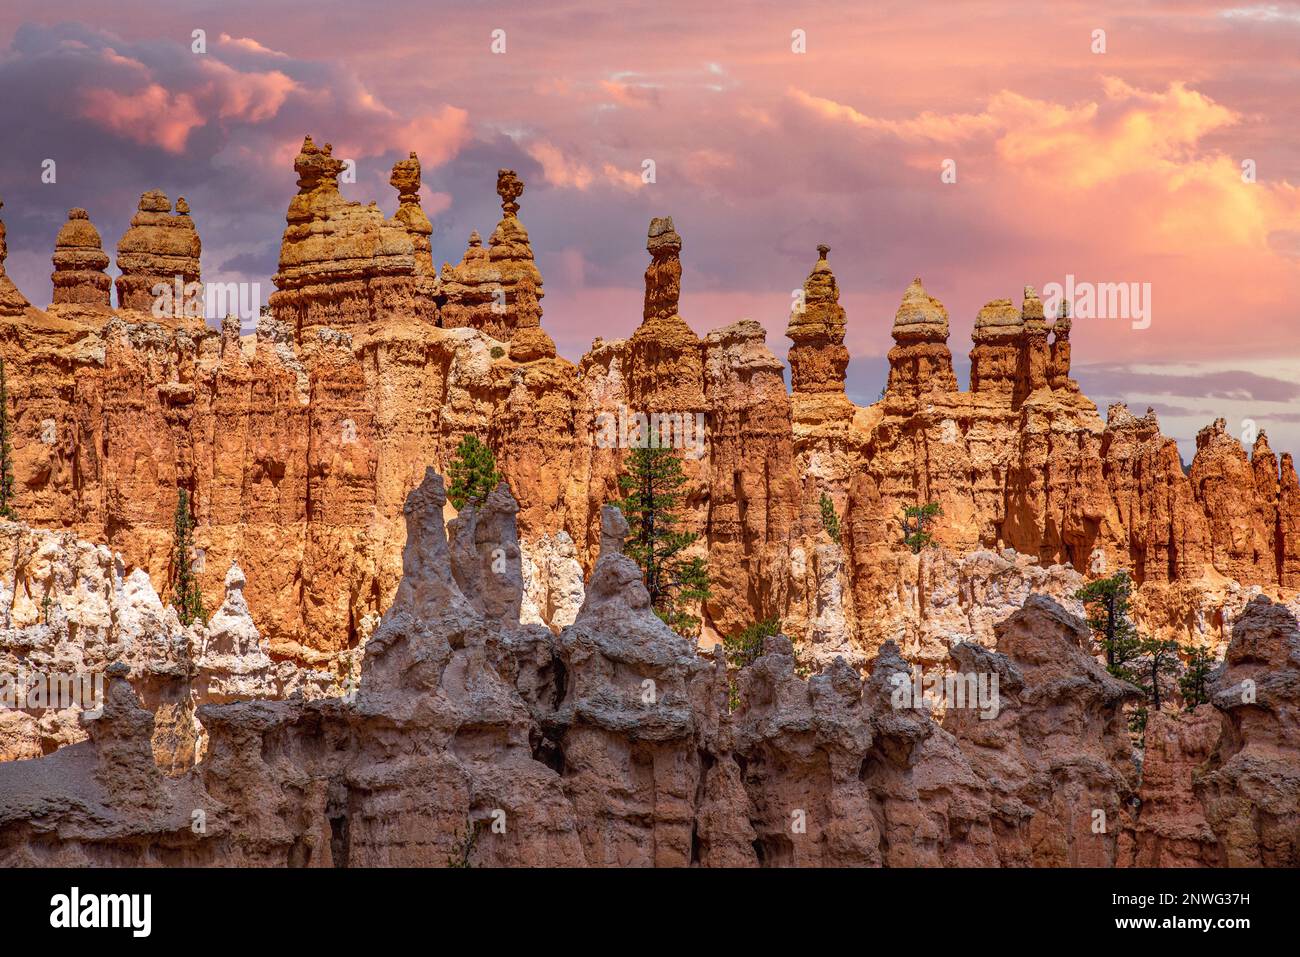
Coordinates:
column 662, row 237
column 79, row 233
column 1031, row 310
column 999, row 315
column 920, row 314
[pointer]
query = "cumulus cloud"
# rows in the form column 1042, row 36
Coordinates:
column 121, row 116
column 565, row 170
column 1124, row 167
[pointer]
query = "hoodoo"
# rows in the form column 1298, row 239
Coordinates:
column 157, row 257
column 298, row 444
column 79, row 263
column 482, row 291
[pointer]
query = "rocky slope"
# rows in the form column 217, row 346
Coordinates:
column 298, row 443
column 69, row 609
column 476, row 740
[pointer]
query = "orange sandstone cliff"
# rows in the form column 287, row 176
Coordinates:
column 473, row 738
column 299, row 441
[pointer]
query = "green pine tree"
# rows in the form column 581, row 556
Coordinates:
column 1148, row 663
column 1106, row 602
column 1194, row 684
column 473, row 473
column 830, row 521
column 1156, row 666
column 185, row 593
column 744, row 647
column 652, row 489
column 6, row 453
column 916, row 522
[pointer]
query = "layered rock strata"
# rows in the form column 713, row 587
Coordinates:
column 298, row 444
column 69, row 609
column 474, row 740
column 79, row 263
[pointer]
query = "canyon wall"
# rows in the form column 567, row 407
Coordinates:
column 476, row 740
column 69, row 609
column 298, row 441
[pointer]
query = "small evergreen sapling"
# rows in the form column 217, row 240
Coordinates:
column 473, row 473
column 185, row 594
column 652, row 495
column 916, row 522
column 830, row 520
column 6, row 453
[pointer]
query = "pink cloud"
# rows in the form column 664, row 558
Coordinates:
column 566, row 171
column 926, row 125
column 250, row 97
column 435, row 136
column 151, row 115
column 249, row 45
column 434, row 203
column 636, row 96
column 558, row 168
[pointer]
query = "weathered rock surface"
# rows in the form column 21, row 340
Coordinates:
column 1252, row 787
column 475, row 740
column 299, row 444
column 69, row 609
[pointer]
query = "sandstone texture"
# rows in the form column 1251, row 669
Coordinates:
column 298, row 442
column 474, row 739
column 69, row 609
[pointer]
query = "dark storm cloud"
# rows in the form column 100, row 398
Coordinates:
column 1237, row 384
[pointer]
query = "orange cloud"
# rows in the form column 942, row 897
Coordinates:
column 565, row 171
column 435, row 136
column 1143, row 149
column 151, row 116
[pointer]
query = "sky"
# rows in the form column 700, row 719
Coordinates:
column 982, row 146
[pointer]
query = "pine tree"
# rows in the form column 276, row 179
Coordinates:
column 915, row 521
column 1156, row 665
column 6, row 453
column 744, row 647
column 185, row 595
column 1106, row 602
column 830, row 521
column 1194, row 684
column 652, row 495
column 473, row 473
column 1148, row 663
